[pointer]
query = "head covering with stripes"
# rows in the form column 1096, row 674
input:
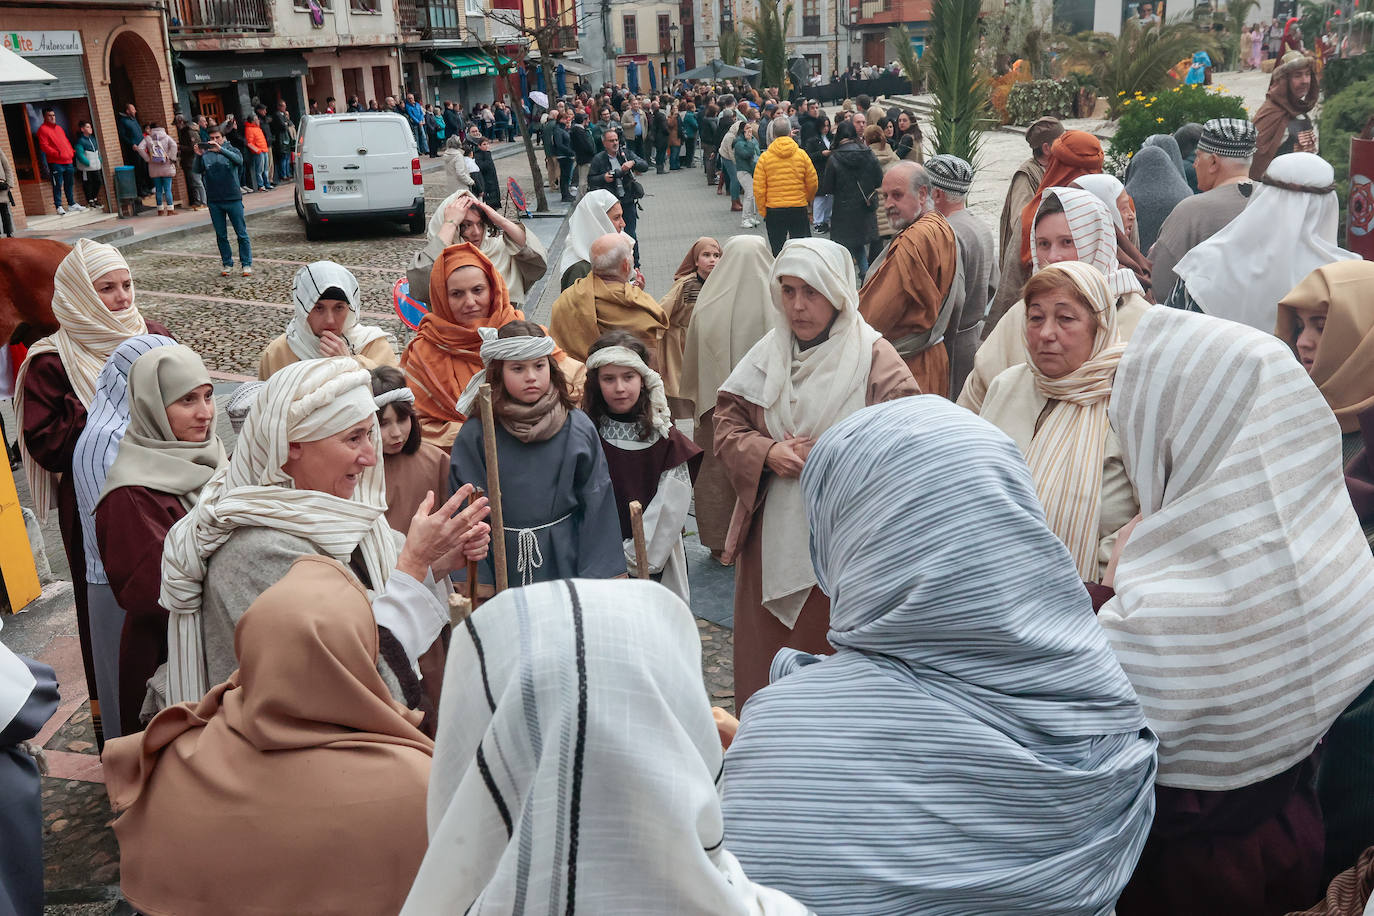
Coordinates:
column 304, row 402
column 1244, row 608
column 572, row 710
column 972, row 696
column 1066, row 453
column 89, row 333
column 1091, row 225
column 321, row 280
column 96, row 447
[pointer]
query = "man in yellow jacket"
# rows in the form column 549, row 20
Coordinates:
column 784, row 184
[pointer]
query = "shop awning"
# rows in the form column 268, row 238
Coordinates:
column 577, row 67
column 227, row 68
column 15, row 69
column 463, row 64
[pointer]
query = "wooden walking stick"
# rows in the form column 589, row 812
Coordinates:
column 472, row 564
column 498, row 529
column 641, row 552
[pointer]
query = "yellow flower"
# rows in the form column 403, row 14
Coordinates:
column 1159, row 120
column 1147, row 104
column 1122, row 92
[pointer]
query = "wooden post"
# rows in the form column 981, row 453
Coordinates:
column 498, row 529
column 472, row 564
column 641, row 552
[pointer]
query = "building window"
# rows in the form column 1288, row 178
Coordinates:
column 814, row 62
column 665, row 37
column 811, row 17
column 364, row 6
column 474, row 7
column 631, row 34
column 304, row 5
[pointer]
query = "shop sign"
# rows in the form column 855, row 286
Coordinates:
column 42, row 44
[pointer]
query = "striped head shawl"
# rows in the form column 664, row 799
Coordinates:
column 96, row 447
column 88, row 334
column 310, row 285
column 304, row 402
column 555, row 693
column 967, row 637
column 1066, row 453
column 1091, row 225
column 1244, row 608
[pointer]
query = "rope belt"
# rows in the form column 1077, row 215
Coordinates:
column 528, row 556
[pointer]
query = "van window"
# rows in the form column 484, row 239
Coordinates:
column 331, row 136
column 388, row 135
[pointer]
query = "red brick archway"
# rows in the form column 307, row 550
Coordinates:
column 135, row 76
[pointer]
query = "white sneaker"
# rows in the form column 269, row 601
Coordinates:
column 61, row 212
column 75, row 208
column 248, row 271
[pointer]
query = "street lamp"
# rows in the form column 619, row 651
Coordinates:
column 673, row 30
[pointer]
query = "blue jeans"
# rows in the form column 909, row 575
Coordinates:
column 233, row 210
column 284, row 165
column 262, row 169
column 162, row 189
column 63, row 176
column 675, row 157
column 731, row 178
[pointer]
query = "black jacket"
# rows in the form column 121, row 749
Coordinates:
column 453, row 123
column 620, row 187
column 658, row 128
column 583, row 147
column 562, row 142
column 491, row 185
column 853, row 175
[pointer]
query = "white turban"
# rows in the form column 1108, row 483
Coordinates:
column 311, row 283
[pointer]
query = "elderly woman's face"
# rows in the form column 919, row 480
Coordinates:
column 1126, row 207
column 469, row 296
column 807, row 310
column 334, row 464
column 1059, row 332
column 115, row 289
column 617, row 216
column 1308, row 325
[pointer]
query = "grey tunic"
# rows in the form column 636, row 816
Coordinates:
column 251, row 561
column 981, row 275
column 556, row 497
column 1191, row 223
column 21, row 815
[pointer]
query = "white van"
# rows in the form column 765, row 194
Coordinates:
column 358, row 166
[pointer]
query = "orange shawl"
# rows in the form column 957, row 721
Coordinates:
column 285, row 766
column 1076, row 153
column 444, row 356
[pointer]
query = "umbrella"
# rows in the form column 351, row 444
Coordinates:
column 15, row 69
column 716, row 70
column 560, row 78
column 539, row 78
column 632, row 76
column 653, row 79
column 539, row 98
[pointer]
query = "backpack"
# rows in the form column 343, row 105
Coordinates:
column 156, row 153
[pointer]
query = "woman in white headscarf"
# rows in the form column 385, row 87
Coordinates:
column 597, row 214
column 730, row 316
column 1286, row 231
column 972, row 746
column 1243, row 613
column 821, row 365
column 325, row 323
column 167, row 454
column 1071, row 225
column 1110, row 190
column 93, row 301
column 580, row 677
column 1054, row 407
column 518, row 256
column 94, row 453
column 304, row 479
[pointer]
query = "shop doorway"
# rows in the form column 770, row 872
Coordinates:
column 319, row 85
column 353, row 86
column 381, row 84
column 209, row 103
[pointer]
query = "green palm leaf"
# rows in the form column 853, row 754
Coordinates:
column 900, row 39
column 766, row 39
column 1138, row 60
column 959, row 84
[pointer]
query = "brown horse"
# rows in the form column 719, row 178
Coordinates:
column 27, row 267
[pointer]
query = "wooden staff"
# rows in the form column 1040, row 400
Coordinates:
column 498, row 528
column 472, row 564
column 641, row 552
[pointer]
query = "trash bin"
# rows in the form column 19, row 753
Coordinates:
column 126, row 186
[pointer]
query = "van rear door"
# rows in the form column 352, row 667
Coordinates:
column 390, row 150
column 332, row 147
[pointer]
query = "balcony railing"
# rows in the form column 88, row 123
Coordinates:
column 565, row 39
column 433, row 19
column 202, row 16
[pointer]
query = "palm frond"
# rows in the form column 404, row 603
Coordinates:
column 729, row 47
column 1234, row 17
column 1137, row 60
column 959, row 84
column 766, row 39
column 910, row 61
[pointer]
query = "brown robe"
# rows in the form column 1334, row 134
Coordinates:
column 592, row 306
column 279, row 355
column 678, row 305
column 53, row 420
column 409, row 478
column 1025, row 181
column 903, row 296
column 742, row 443
column 713, row 495
column 130, row 525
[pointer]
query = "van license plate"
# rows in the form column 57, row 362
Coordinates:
column 341, row 187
